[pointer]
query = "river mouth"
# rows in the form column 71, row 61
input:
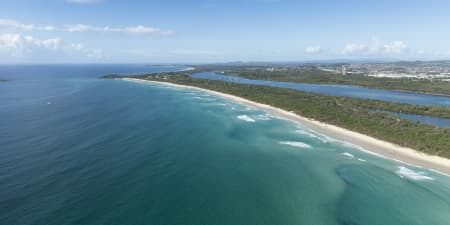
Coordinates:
column 338, row 90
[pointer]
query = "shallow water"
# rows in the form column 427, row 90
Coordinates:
column 80, row 150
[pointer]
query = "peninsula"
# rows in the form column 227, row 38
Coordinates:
column 343, row 118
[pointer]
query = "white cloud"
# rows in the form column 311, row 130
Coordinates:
column 77, row 28
column 141, row 29
column 396, row 47
column 131, row 30
column 86, row 28
column 12, row 44
column 13, row 24
column 94, row 54
column 314, row 49
column 354, row 48
column 147, row 30
column 12, row 41
column 52, row 43
column 77, row 46
column 18, row 45
column 375, row 47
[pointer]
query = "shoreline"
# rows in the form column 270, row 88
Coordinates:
column 383, row 148
column 361, row 86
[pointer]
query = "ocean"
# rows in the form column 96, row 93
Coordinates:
column 75, row 149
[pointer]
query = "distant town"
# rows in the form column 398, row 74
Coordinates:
column 433, row 70
column 419, row 70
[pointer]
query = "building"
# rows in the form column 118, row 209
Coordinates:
column 344, row 70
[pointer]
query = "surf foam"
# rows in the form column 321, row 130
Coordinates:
column 311, row 134
column 348, row 155
column 411, row 174
column 246, row 118
column 297, row 144
column 263, row 117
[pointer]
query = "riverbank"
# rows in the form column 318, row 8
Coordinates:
column 383, row 148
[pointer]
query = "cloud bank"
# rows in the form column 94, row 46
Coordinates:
column 14, row 25
column 314, row 49
column 17, row 45
column 375, row 47
column 139, row 29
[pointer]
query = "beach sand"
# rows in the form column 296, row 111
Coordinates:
column 380, row 147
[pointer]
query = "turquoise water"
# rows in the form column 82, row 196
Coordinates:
column 80, row 150
column 340, row 90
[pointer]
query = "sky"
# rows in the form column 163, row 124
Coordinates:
column 205, row 31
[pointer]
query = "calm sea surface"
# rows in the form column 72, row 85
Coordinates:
column 75, row 149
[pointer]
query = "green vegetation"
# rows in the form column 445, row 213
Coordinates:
column 316, row 76
column 351, row 113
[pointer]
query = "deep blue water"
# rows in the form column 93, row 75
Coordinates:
column 75, row 149
column 339, row 90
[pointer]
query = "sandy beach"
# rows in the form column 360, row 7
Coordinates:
column 380, row 147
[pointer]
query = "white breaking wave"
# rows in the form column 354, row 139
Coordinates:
column 297, row 144
column 246, row 118
column 168, row 87
column 204, row 98
column 411, row 174
column 220, row 104
column 248, row 108
column 348, row 155
column 327, row 139
column 311, row 135
column 264, row 117
column 350, row 145
column 362, row 160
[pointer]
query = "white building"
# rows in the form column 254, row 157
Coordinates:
column 344, row 70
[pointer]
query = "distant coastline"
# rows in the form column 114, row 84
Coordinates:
column 373, row 145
